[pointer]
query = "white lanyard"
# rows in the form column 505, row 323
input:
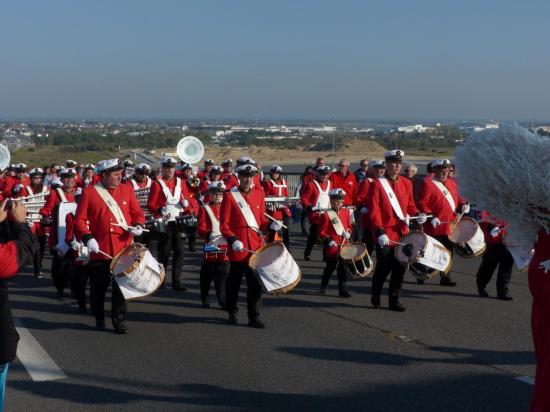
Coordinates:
column 391, row 197
column 446, row 193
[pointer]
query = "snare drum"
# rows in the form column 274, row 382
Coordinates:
column 356, row 260
column 275, row 267
column 186, row 223
column 468, row 238
column 136, row 271
column 424, row 255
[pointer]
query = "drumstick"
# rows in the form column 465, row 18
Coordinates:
column 251, row 251
column 398, row 243
column 105, row 254
column 275, row 220
column 128, row 227
column 416, row 217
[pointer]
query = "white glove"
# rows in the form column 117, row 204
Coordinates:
column 276, row 225
column 364, row 210
column 421, row 218
column 185, row 203
column 75, row 245
column 435, row 222
column 383, row 240
column 494, row 231
column 237, row 246
column 164, row 211
column 465, row 208
column 545, row 265
column 346, row 235
column 137, row 230
column 213, row 235
column 18, row 188
column 332, row 243
column 93, row 246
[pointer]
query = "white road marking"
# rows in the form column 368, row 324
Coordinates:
column 526, row 379
column 34, row 358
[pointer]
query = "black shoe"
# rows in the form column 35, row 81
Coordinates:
column 205, row 304
column 344, row 294
column 307, row 258
column 323, row 290
column 192, row 248
column 447, row 281
column 397, row 307
column 505, row 297
column 483, row 293
column 82, row 307
column 256, row 323
column 420, row 281
column 179, row 288
column 375, row 301
column 232, row 319
column 60, row 294
column 99, row 325
column 121, row 329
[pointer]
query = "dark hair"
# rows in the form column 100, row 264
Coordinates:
column 306, row 172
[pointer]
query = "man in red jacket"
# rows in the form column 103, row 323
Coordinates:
column 107, row 218
column 344, row 179
column 215, row 262
column 15, row 186
column 314, row 198
column 390, row 205
column 439, row 197
column 242, row 224
column 335, row 230
column 276, row 186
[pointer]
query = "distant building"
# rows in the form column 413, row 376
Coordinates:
column 14, row 141
column 417, row 128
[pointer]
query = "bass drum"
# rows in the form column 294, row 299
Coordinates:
column 276, row 269
column 356, row 260
column 468, row 238
column 424, row 255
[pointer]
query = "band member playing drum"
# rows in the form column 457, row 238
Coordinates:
column 37, row 188
column 107, row 218
column 496, row 255
column 335, row 230
column 215, row 263
column 276, row 186
column 439, row 197
column 315, row 197
column 167, row 200
column 242, row 221
column 141, row 183
column 49, row 213
column 391, row 204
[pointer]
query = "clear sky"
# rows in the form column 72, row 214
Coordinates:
column 278, row 59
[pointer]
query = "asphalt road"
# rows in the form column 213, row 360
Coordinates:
column 450, row 350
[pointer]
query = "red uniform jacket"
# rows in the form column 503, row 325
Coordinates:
column 93, row 219
column 433, row 202
column 488, row 223
column 383, row 217
column 347, row 182
column 309, row 197
column 327, row 232
column 50, row 210
column 233, row 224
column 361, row 200
column 205, row 228
column 157, row 199
column 277, row 188
column 15, row 254
column 11, row 183
column 231, row 181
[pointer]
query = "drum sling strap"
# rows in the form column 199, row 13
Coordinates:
column 111, row 204
column 244, row 207
column 171, row 199
column 61, row 195
column 215, row 223
column 323, row 201
column 136, row 186
column 336, row 222
column 446, row 193
column 391, row 197
column 279, row 187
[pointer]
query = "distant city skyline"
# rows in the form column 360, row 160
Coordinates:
column 308, row 60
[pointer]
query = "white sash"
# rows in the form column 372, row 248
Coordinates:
column 61, row 195
column 336, row 222
column 173, row 204
column 136, row 186
column 245, row 209
column 446, row 193
column 218, row 239
column 31, row 193
column 323, row 201
column 391, row 197
column 111, row 204
column 279, row 187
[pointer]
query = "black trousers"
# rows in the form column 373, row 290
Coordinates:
column 79, row 282
column 367, row 239
column 340, row 273
column 286, row 234
column 449, row 245
column 496, row 255
column 100, row 279
column 253, row 289
column 39, row 255
column 217, row 272
column 172, row 240
column 311, row 239
column 191, row 235
column 386, row 263
column 61, row 270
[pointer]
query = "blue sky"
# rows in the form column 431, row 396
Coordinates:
column 279, row 59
